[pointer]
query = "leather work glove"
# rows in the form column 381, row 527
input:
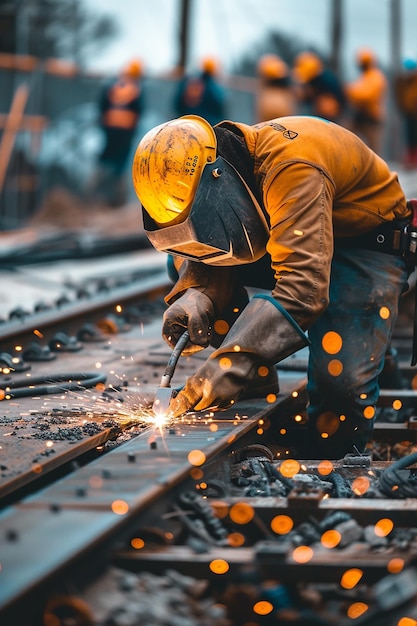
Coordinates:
column 193, row 311
column 262, row 335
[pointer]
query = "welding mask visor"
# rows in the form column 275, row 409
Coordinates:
column 225, row 225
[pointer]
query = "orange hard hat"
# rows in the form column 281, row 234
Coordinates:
column 133, row 69
column 365, row 56
column 271, row 66
column 209, row 65
column 307, row 65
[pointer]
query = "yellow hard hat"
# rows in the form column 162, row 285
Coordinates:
column 271, row 66
column 168, row 164
column 307, row 66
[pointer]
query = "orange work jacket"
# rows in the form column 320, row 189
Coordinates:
column 121, row 105
column 317, row 181
column 367, row 93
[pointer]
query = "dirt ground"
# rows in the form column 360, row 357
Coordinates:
column 62, row 210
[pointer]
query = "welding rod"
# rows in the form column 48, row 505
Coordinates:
column 173, row 359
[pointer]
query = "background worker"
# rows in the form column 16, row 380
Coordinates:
column 201, row 93
column 406, row 99
column 319, row 90
column 276, row 96
column 293, row 206
column 366, row 97
column 120, row 106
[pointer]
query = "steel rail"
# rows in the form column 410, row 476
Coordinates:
column 150, row 285
column 69, row 529
column 74, row 313
column 67, row 533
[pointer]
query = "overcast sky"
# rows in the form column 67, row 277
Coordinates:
column 227, row 28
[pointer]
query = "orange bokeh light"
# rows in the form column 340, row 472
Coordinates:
column 219, row 566
column 330, row 538
column 282, row 524
column 351, row 578
column 120, row 507
column 196, row 457
column 263, row 607
column 241, row 513
column 332, row 342
column 383, row 527
column 302, row 554
column 289, row 468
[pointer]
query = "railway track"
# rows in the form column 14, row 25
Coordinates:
column 110, row 518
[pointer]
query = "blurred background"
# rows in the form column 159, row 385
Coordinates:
column 58, row 56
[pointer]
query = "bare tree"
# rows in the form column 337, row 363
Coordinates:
column 285, row 46
column 54, row 28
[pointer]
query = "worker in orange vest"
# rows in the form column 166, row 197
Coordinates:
column 201, row 93
column 366, row 96
column 406, row 100
column 276, row 96
column 121, row 105
column 319, row 90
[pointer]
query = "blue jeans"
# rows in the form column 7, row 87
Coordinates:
column 342, row 386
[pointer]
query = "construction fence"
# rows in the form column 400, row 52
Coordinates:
column 50, row 137
column 49, row 133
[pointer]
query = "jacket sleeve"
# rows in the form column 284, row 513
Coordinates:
column 299, row 202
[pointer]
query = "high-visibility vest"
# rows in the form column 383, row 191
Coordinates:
column 121, row 111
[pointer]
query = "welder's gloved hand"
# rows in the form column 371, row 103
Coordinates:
column 193, row 311
column 262, row 335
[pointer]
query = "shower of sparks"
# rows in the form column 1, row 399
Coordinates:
column 125, row 407
column 130, row 407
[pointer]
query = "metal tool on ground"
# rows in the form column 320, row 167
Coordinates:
column 164, row 391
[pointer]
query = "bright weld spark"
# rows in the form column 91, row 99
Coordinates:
column 95, row 406
column 160, row 420
column 129, row 408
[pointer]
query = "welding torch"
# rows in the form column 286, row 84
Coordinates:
column 164, row 392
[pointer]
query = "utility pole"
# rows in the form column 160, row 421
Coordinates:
column 184, row 35
column 336, row 35
column 394, row 132
column 395, row 36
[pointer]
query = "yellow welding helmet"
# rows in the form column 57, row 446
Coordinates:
column 168, row 164
column 195, row 203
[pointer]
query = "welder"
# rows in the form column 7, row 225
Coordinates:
column 301, row 209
